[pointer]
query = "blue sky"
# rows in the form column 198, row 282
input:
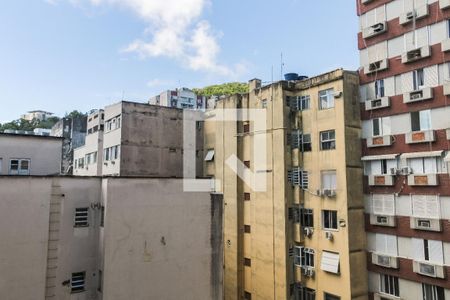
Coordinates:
column 60, row 55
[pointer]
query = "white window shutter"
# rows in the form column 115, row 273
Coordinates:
column 420, row 3
column 417, row 248
column 386, row 123
column 377, row 204
column 436, row 252
column 381, row 243
column 391, row 245
column 430, row 165
column 432, row 207
column 389, row 205
column 419, row 206
column 330, row 262
column 408, row 5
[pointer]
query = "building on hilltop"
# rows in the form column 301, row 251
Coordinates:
column 303, row 236
column 404, row 76
column 180, row 98
column 37, row 115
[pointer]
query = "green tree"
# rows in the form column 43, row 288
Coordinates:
column 222, row 89
column 75, row 114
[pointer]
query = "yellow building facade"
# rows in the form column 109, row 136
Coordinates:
column 302, row 237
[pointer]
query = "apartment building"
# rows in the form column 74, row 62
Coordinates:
column 88, row 157
column 37, row 115
column 73, row 130
column 303, row 236
column 86, row 238
column 135, row 139
column 24, row 154
column 179, row 98
column 405, row 83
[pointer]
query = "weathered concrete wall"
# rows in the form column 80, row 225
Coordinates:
column 160, row 236
column 44, row 153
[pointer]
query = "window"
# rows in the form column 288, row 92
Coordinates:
column 418, row 79
column 306, row 143
column 331, row 297
column 112, row 153
column 305, row 102
column 77, row 282
column 102, row 216
column 247, row 229
column 306, row 294
column 428, row 250
column 379, row 166
column 329, row 219
column 81, row 217
column 389, row 285
column 381, row 126
column 328, row 180
column 326, row 99
column 247, row 163
column 113, row 123
column 246, row 196
column 427, row 165
column 246, row 127
column 383, row 204
column 100, row 281
column 247, row 262
column 301, row 141
column 264, row 103
column 432, row 292
column 421, row 120
column 19, row 167
column 328, row 140
column 426, row 206
column 330, row 262
column 294, row 214
column 306, row 217
column 209, row 155
column 386, row 244
column 303, row 257
column 379, row 88
column 247, row 296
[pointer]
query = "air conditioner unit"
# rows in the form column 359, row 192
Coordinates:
column 406, row 171
column 384, row 260
column 329, row 235
column 308, row 272
column 426, row 269
column 338, row 94
column 329, row 193
column 416, row 95
column 308, row 231
column 410, row 15
column 382, row 220
column 378, row 27
column 424, row 223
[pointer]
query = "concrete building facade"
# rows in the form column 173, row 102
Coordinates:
column 30, row 154
column 183, row 98
column 405, row 75
column 302, row 238
column 37, row 115
column 86, row 238
column 138, row 140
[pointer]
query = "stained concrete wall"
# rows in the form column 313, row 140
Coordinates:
column 44, row 153
column 40, row 247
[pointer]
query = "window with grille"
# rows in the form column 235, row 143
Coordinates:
column 307, row 217
column 247, row 296
column 389, row 285
column 299, row 177
column 331, row 297
column 247, row 229
column 247, row 262
column 81, row 217
column 19, row 167
column 303, row 257
column 294, row 214
column 304, row 293
column 77, row 282
column 327, row 140
column 329, row 219
column 305, row 102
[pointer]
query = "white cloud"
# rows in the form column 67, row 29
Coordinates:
column 177, row 31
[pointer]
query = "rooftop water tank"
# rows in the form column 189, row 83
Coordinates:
column 290, row 76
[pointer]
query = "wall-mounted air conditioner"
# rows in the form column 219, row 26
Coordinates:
column 417, row 14
column 428, row 269
column 425, row 224
column 382, row 220
column 376, row 66
column 386, row 261
column 416, row 54
column 378, row 103
column 308, row 271
column 379, row 141
column 424, row 136
column 329, row 193
column 308, row 231
column 406, row 171
column 374, row 30
column 419, row 95
column 381, row 180
column 329, row 235
column 423, row 180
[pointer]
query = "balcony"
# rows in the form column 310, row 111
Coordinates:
column 423, row 180
column 428, row 269
column 379, row 141
column 425, row 224
column 376, row 66
column 418, row 95
column 381, row 180
column 417, row 13
column 416, row 54
column 424, row 136
column 443, row 4
column 379, row 220
column 374, row 30
column 378, row 103
column 384, row 260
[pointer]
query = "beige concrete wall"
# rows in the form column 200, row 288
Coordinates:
column 113, row 138
column 157, row 244
column 44, row 153
column 93, row 143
